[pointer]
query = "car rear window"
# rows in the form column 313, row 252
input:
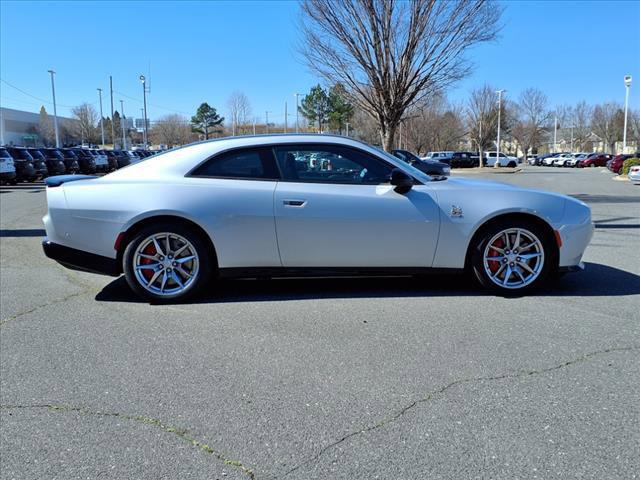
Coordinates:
column 4, row 153
column 246, row 163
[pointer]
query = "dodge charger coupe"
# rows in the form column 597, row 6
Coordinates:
column 304, row 205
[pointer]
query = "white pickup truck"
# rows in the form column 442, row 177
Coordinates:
column 505, row 160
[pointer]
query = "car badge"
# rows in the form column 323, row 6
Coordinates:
column 456, row 211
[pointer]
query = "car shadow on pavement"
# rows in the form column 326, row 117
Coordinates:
column 597, row 280
column 29, row 232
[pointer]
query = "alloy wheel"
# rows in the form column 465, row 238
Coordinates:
column 513, row 258
column 166, row 264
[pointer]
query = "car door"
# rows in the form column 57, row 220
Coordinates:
column 334, row 207
column 231, row 195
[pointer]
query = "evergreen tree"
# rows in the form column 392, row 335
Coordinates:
column 341, row 110
column 206, row 120
column 315, row 106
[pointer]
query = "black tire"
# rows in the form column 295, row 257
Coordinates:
column 488, row 233
column 205, row 262
column 512, row 164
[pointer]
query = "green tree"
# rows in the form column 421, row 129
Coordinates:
column 340, row 110
column 315, row 106
column 206, row 120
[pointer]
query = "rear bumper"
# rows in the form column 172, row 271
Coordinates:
column 6, row 176
column 80, row 260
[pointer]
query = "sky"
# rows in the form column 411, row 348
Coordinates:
column 194, row 52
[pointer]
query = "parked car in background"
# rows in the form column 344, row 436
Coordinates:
column 634, row 174
column 53, row 167
column 505, row 160
column 70, row 162
column 595, row 160
column 430, row 167
column 25, row 171
column 123, row 158
column 39, row 163
column 464, row 160
column 133, row 156
column 562, row 159
column 86, row 162
column 615, row 164
column 575, row 159
column 439, row 156
column 102, row 161
column 548, row 159
column 532, row 159
column 112, row 159
column 7, row 167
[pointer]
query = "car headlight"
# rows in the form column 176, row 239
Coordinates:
column 446, row 169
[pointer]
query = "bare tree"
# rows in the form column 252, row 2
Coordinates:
column 607, row 123
column 45, row 128
column 391, row 54
column 85, row 125
column 528, row 118
column 482, row 117
column 240, row 112
column 171, row 130
column 581, row 121
column 633, row 128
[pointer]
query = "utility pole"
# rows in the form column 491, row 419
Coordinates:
column 555, row 131
column 101, row 118
column 285, row 117
column 254, row 125
column 627, row 84
column 55, row 112
column 124, row 142
column 347, row 125
column 144, row 130
column 113, row 137
column 480, row 155
column 297, row 110
column 571, row 138
column 144, row 96
column 266, row 114
column 497, row 163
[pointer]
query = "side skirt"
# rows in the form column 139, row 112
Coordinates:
column 310, row 272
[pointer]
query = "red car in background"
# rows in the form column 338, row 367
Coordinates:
column 595, row 160
column 615, row 165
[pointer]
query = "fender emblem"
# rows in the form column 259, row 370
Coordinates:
column 456, row 211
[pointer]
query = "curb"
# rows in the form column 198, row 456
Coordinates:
column 493, row 170
column 621, row 178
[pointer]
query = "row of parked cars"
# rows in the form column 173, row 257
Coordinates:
column 580, row 160
column 21, row 164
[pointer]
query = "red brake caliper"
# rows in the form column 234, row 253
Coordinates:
column 149, row 250
column 495, row 265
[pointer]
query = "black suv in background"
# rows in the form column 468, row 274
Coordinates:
column 465, row 160
column 25, row 171
column 87, row 164
column 430, row 167
column 39, row 163
column 70, row 162
column 55, row 166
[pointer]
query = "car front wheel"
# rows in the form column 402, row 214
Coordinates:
column 167, row 263
column 513, row 257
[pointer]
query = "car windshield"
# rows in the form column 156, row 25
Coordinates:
column 423, row 177
column 4, row 153
column 36, row 155
column 22, row 154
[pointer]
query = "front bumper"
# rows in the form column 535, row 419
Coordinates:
column 7, row 176
column 80, row 260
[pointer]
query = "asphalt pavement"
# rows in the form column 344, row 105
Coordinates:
column 391, row 378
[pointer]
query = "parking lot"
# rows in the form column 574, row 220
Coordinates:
column 391, row 378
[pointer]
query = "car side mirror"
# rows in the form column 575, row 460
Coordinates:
column 402, row 181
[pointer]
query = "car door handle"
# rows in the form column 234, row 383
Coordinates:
column 294, row 203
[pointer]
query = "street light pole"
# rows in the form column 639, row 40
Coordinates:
column 285, row 117
column 497, row 163
column 555, row 131
column 113, row 136
column 124, row 142
column 55, row 112
column 144, row 130
column 297, row 110
column 571, row 138
column 266, row 114
column 144, row 97
column 347, row 125
column 627, row 84
column 101, row 118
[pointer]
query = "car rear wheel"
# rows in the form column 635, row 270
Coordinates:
column 512, row 257
column 167, row 263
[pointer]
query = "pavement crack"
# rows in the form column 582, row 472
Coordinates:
column 183, row 434
column 431, row 395
column 44, row 305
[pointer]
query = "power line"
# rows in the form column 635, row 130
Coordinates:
column 33, row 96
column 151, row 104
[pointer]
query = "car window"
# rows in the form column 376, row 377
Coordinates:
column 249, row 163
column 4, row 153
column 330, row 164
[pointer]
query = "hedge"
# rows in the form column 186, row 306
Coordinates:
column 626, row 166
